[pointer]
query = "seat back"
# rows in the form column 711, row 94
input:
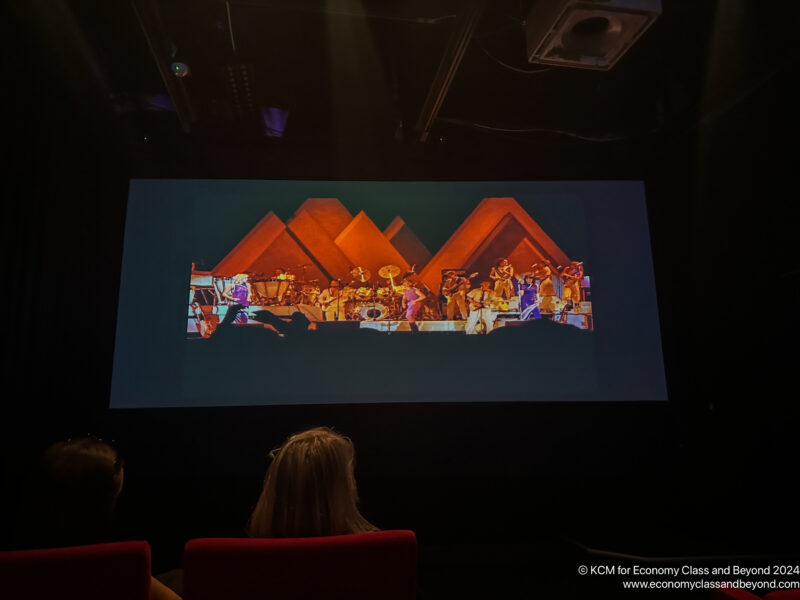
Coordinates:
column 793, row 594
column 119, row 570
column 733, row 594
column 382, row 564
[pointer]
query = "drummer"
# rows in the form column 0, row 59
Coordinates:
column 281, row 275
column 310, row 292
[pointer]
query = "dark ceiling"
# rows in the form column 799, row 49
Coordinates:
column 350, row 78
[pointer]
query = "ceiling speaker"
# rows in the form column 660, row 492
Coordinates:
column 588, row 34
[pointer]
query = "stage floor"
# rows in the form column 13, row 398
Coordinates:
column 314, row 314
column 389, row 326
column 392, row 326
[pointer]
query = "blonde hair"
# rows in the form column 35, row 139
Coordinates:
column 310, row 489
column 240, row 278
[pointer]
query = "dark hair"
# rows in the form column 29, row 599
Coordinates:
column 79, row 485
column 299, row 318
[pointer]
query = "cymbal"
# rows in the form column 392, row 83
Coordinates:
column 388, row 271
column 361, row 274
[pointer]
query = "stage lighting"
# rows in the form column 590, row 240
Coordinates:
column 274, row 120
column 589, row 34
column 180, row 69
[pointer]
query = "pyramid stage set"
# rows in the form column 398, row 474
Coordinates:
column 325, row 270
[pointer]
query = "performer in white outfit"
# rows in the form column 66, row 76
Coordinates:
column 480, row 308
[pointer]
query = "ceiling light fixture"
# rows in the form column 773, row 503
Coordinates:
column 587, row 34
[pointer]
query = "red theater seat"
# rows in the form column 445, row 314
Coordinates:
column 119, row 570
column 737, row 594
column 364, row 565
column 733, row 594
column 783, row 595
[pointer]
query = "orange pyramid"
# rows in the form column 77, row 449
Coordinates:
column 314, row 238
column 266, row 247
column 366, row 246
column 524, row 255
column 407, row 243
column 496, row 228
column 330, row 213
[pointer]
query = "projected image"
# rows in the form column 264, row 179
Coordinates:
column 244, row 292
column 327, row 269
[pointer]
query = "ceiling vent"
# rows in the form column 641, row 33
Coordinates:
column 586, row 34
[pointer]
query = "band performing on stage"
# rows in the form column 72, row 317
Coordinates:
column 393, row 300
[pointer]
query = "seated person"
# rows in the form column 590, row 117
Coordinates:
column 310, row 489
column 76, row 495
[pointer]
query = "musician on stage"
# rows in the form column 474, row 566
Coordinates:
column 502, row 274
column 455, row 288
column 572, row 275
column 548, row 299
column 413, row 299
column 332, row 303
column 480, row 308
column 283, row 288
column 529, row 297
column 239, row 293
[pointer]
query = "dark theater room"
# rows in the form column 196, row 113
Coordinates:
column 400, row 300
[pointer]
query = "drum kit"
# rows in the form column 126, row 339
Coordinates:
column 372, row 302
column 363, row 300
column 284, row 288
